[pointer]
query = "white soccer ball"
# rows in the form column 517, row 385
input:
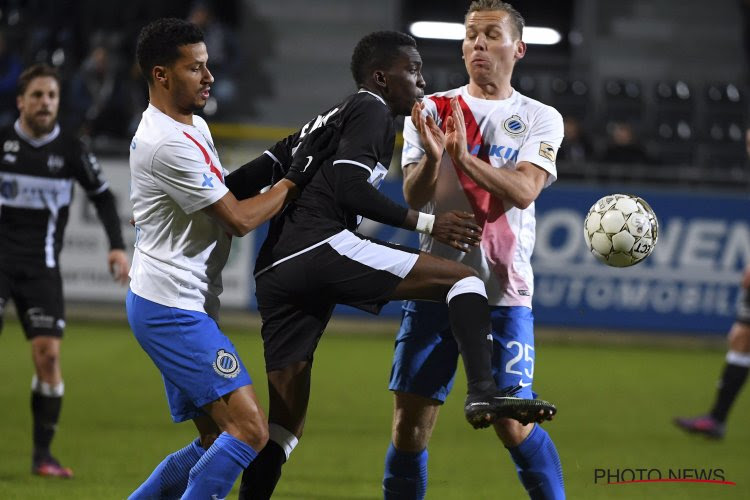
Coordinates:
column 621, row 230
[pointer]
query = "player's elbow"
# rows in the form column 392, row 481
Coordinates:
column 523, row 202
column 239, row 227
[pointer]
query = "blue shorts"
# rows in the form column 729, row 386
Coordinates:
column 426, row 354
column 198, row 363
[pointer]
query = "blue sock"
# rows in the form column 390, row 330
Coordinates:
column 169, row 479
column 217, row 470
column 538, row 466
column 405, row 475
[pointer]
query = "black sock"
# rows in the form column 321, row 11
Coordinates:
column 46, row 412
column 470, row 322
column 261, row 476
column 731, row 382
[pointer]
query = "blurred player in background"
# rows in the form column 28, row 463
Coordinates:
column 39, row 167
column 313, row 259
column 732, row 378
column 489, row 150
column 185, row 218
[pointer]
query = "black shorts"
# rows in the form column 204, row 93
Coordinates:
column 37, row 292
column 296, row 296
column 743, row 311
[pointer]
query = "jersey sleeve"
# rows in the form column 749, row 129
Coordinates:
column 181, row 171
column 86, row 169
column 543, row 141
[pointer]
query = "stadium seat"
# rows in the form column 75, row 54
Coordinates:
column 623, row 100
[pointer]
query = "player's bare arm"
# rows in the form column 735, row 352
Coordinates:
column 420, row 178
column 520, row 186
column 240, row 217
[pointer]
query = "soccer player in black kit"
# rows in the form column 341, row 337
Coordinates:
column 39, row 165
column 312, row 259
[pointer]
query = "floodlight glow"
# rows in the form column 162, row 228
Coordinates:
column 538, row 35
column 438, row 30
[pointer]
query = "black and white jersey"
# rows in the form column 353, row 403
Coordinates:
column 36, row 188
column 345, row 188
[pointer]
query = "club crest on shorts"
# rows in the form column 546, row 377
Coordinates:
column 226, row 364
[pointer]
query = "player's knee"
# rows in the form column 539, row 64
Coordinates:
column 408, row 436
column 46, row 357
column 252, row 431
column 511, row 432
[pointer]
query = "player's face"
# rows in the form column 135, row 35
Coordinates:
column 38, row 105
column 189, row 78
column 491, row 46
column 404, row 82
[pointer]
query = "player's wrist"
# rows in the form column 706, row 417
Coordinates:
column 425, row 223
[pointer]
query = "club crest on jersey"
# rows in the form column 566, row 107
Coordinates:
column 547, row 150
column 226, row 364
column 55, row 163
column 514, row 126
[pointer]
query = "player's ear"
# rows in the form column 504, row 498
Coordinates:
column 159, row 75
column 520, row 49
column 379, row 78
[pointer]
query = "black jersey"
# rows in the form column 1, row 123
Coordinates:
column 345, row 187
column 36, row 189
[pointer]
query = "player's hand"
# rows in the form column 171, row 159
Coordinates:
column 118, row 265
column 455, row 133
column 433, row 139
column 315, row 148
column 457, row 229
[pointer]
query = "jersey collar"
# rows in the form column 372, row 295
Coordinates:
column 34, row 141
column 376, row 96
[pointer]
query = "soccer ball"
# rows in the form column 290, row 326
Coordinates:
column 621, row 230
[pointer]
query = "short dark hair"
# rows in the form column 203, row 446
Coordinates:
column 516, row 18
column 35, row 71
column 377, row 50
column 159, row 43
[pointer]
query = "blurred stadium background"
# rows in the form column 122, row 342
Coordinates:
column 655, row 97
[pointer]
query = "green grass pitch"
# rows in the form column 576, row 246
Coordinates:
column 615, row 406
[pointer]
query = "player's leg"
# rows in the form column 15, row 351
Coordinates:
column 288, row 397
column 424, row 365
column 294, row 317
column 414, row 418
column 169, row 479
column 244, row 433
column 530, row 446
column 38, row 297
column 733, row 377
column 203, row 376
column 434, row 278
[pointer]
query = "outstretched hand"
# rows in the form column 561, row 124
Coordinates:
column 455, row 132
column 315, row 148
column 433, row 139
column 457, row 229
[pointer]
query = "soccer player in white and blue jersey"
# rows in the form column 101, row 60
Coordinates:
column 185, row 217
column 486, row 149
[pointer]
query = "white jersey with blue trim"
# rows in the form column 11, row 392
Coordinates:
column 179, row 250
column 502, row 133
